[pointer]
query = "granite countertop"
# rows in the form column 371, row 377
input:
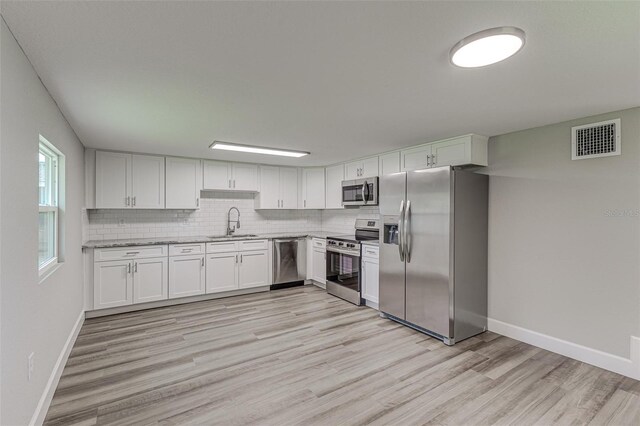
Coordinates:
column 197, row 239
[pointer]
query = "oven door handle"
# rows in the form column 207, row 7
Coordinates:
column 337, row 250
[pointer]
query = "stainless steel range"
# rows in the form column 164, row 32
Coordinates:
column 343, row 261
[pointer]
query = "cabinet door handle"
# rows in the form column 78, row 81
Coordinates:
column 234, row 183
column 197, row 202
column 433, row 160
column 305, row 203
column 135, row 266
column 229, row 183
column 236, row 258
column 240, row 258
column 134, row 201
column 127, row 201
column 129, row 268
column 132, row 253
column 202, row 262
column 428, row 157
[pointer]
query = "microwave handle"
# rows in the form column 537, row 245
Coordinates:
column 365, row 192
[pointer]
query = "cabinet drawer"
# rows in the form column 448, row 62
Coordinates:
column 221, row 247
column 131, row 252
column 252, row 245
column 319, row 243
column 370, row 251
column 181, row 249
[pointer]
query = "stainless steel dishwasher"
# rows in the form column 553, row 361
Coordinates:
column 289, row 261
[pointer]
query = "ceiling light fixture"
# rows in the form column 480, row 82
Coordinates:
column 256, row 149
column 487, row 47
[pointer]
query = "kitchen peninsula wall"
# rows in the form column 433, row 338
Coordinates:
column 211, row 219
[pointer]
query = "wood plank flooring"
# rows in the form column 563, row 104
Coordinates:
column 300, row 356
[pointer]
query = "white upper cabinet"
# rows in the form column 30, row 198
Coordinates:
column 470, row 149
column 224, row 176
column 113, row 180
column 216, row 175
column 333, row 186
column 463, row 150
column 389, row 163
column 183, row 183
column 313, row 191
column 278, row 188
column 147, row 182
column 244, row 177
column 367, row 167
column 269, row 197
column 289, row 187
column 129, row 181
column 416, row 158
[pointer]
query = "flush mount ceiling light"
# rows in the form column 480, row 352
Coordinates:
column 487, row 47
column 256, row 149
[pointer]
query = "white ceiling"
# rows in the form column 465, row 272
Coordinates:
column 338, row 79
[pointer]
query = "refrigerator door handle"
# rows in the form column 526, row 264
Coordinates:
column 406, row 229
column 400, row 231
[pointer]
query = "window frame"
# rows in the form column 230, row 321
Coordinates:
column 52, row 206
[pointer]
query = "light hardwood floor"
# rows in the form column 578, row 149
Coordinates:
column 300, row 356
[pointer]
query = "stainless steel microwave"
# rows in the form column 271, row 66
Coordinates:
column 360, row 192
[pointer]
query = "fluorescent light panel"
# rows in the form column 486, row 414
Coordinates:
column 256, row 149
column 487, row 47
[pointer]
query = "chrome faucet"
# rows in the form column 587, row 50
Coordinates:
column 230, row 231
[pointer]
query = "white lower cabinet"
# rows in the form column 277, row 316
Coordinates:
column 222, row 272
column 317, row 260
column 234, row 265
column 150, row 280
column 370, row 273
column 112, row 284
column 186, row 276
column 253, row 269
column 319, row 265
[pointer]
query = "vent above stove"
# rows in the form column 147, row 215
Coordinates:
column 595, row 140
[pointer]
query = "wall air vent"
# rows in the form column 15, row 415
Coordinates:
column 595, row 140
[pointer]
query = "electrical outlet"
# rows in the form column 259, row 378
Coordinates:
column 31, row 364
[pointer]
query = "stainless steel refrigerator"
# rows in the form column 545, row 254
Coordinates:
column 433, row 251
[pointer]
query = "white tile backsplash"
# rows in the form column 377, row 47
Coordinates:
column 211, row 219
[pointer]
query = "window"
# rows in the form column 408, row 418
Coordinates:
column 48, row 179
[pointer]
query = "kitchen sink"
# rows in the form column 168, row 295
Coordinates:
column 234, row 236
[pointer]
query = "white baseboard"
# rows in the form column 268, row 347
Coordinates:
column 611, row 362
column 54, row 378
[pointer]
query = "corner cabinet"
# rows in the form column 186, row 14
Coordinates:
column 224, row 176
column 278, row 188
column 463, row 150
column 313, row 188
column 127, row 275
column 129, row 181
column 183, row 183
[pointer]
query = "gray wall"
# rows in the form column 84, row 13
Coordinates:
column 561, row 260
column 35, row 317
